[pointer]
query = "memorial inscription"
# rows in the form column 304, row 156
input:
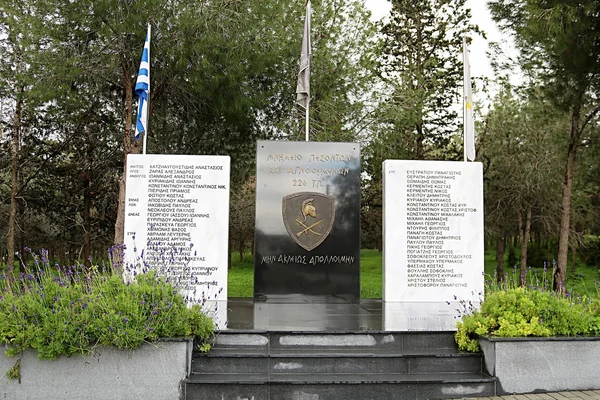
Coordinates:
column 177, row 216
column 311, row 247
column 433, row 230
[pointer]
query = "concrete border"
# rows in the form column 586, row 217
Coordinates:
column 531, row 365
column 153, row 371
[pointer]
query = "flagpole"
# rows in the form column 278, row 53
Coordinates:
column 148, row 120
column 306, row 119
column 303, row 87
column 464, row 101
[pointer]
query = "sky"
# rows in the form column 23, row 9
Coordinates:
column 480, row 64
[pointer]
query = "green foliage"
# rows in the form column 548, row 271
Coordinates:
column 15, row 371
column 590, row 251
column 204, row 347
column 512, row 257
column 558, row 44
column 419, row 63
column 523, row 312
column 69, row 312
column 240, row 278
column 371, row 279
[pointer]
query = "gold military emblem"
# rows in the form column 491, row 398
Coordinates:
column 308, row 217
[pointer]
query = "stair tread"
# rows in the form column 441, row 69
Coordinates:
column 331, row 352
column 264, row 378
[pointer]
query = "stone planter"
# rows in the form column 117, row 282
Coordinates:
column 529, row 365
column 153, row 371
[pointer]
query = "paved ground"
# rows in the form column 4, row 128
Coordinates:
column 575, row 395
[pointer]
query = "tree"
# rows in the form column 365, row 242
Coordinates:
column 241, row 216
column 19, row 92
column 559, row 47
column 344, row 75
column 421, row 63
column 519, row 149
column 223, row 75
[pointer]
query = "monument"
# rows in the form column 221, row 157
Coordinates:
column 177, row 222
column 433, row 242
column 307, row 234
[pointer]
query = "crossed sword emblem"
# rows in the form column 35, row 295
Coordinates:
column 308, row 228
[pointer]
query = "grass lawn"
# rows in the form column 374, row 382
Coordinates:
column 241, row 275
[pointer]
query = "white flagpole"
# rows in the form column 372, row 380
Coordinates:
column 303, row 87
column 468, row 122
column 464, row 99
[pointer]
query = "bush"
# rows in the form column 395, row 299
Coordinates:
column 66, row 311
column 522, row 312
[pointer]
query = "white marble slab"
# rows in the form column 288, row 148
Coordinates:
column 177, row 221
column 433, row 231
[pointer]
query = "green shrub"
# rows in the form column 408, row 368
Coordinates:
column 66, row 312
column 522, row 312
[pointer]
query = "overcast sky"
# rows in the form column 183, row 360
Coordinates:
column 480, row 65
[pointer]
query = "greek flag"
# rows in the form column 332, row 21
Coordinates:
column 142, row 89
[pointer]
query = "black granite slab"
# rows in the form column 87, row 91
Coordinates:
column 307, row 234
column 271, row 316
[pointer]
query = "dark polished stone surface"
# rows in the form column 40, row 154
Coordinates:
column 307, row 237
column 313, row 313
column 308, row 316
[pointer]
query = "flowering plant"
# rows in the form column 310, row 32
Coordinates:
column 511, row 309
column 70, row 310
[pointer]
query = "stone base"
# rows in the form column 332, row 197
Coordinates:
column 154, row 371
column 529, row 365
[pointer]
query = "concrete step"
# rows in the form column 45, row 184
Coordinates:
column 335, row 360
column 366, row 339
column 254, row 365
column 367, row 386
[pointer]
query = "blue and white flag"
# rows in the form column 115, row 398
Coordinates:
column 142, row 89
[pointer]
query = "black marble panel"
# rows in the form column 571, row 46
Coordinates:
column 307, row 235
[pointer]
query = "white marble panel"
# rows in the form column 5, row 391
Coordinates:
column 177, row 221
column 433, row 231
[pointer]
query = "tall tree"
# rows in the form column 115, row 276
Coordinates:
column 423, row 41
column 18, row 76
column 520, row 149
column 559, row 40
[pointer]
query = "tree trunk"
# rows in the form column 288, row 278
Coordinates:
column 520, row 227
column 574, row 258
column 87, row 205
column 560, row 275
column 524, row 246
column 129, row 149
column 420, row 139
column 500, row 247
column 14, row 182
